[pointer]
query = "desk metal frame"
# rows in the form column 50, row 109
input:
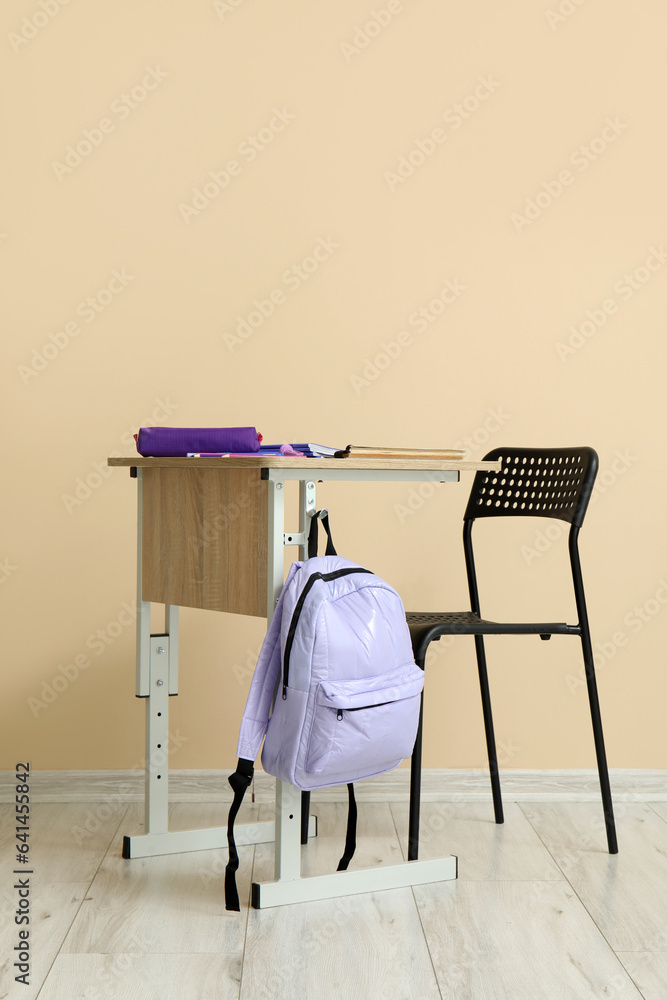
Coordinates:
column 157, row 681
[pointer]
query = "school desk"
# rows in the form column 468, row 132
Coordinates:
column 211, row 534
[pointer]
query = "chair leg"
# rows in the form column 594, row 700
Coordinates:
column 415, row 787
column 305, row 816
column 488, row 729
column 601, row 755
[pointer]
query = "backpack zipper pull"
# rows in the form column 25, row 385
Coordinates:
column 339, row 714
column 284, row 692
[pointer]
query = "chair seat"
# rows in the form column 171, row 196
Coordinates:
column 436, row 623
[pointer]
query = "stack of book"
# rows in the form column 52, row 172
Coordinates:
column 370, row 451
column 310, row 450
column 316, row 450
column 363, row 451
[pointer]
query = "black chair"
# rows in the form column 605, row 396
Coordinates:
column 539, row 482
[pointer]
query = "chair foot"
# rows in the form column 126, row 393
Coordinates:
column 494, row 775
column 612, row 842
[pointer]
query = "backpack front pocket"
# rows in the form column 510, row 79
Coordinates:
column 366, row 724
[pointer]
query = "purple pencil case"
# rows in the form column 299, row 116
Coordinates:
column 176, row 442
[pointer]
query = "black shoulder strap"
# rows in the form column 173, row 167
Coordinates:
column 351, row 835
column 322, row 515
column 239, row 780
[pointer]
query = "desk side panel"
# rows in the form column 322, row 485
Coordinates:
column 205, row 539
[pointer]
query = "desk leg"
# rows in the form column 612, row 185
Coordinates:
column 288, row 831
column 157, row 679
column 289, row 887
column 288, row 798
column 157, row 736
column 171, row 629
column 307, row 507
column 158, row 839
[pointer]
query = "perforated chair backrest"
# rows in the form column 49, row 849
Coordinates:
column 540, row 482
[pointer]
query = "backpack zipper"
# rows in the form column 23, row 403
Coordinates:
column 379, row 704
column 334, row 575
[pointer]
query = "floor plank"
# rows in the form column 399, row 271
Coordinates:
column 339, row 948
column 537, row 909
column 624, row 893
column 141, row 977
column 648, row 969
column 353, row 947
column 53, row 908
column 510, row 940
column 660, row 808
column 377, row 843
column 485, row 849
column 170, row 904
column 67, row 840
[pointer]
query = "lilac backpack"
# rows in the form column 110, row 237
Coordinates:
column 338, row 659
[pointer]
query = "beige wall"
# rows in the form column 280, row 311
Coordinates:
column 511, row 102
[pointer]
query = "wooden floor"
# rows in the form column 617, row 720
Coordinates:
column 539, row 910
